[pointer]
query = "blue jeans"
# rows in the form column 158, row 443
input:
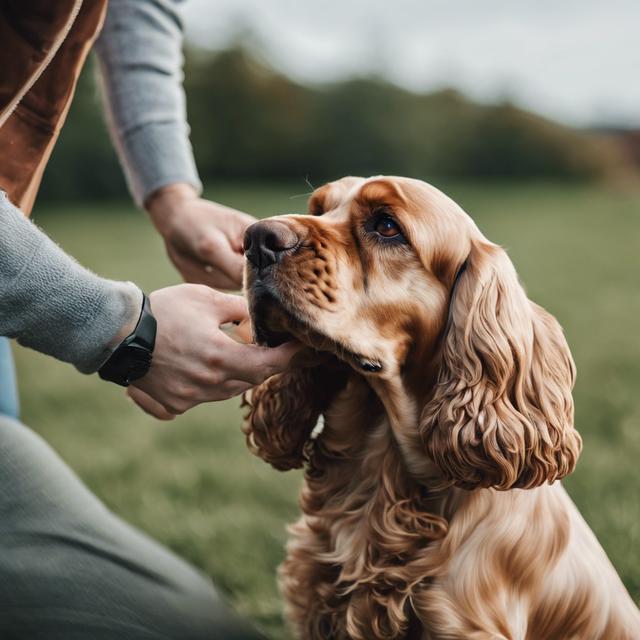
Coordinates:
column 9, row 405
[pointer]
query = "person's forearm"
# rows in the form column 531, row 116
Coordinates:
column 140, row 62
column 52, row 304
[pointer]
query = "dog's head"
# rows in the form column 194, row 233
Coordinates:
column 392, row 281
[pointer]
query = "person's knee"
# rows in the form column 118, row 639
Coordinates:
column 77, row 567
column 72, row 586
column 191, row 612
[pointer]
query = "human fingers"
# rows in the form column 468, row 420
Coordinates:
column 230, row 308
column 148, row 404
column 255, row 364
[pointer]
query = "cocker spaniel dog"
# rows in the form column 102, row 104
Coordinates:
column 431, row 506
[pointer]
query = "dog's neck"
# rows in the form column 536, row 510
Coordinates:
column 363, row 484
column 403, row 414
column 379, row 409
column 374, row 424
column 403, row 393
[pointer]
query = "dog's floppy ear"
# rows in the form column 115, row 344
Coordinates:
column 284, row 409
column 501, row 414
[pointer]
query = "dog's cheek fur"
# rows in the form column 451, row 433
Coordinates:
column 283, row 410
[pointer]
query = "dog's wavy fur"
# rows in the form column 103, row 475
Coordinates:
column 431, row 507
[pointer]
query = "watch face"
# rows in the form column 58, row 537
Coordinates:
column 138, row 362
column 127, row 364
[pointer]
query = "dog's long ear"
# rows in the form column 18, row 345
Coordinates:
column 501, row 414
column 283, row 411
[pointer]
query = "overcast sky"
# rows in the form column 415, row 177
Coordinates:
column 575, row 60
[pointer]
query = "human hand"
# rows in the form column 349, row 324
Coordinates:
column 203, row 239
column 194, row 361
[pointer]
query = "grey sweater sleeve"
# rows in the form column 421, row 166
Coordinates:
column 52, row 304
column 140, row 61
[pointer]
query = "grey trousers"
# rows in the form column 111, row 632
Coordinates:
column 70, row 569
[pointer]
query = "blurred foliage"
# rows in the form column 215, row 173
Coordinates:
column 248, row 121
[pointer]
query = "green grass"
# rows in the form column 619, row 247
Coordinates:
column 192, row 485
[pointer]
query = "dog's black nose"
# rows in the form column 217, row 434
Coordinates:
column 265, row 241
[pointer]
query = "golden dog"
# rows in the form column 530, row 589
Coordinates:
column 431, row 506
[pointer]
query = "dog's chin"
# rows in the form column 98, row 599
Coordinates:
column 274, row 323
column 266, row 335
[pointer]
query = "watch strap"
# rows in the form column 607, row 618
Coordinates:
column 132, row 358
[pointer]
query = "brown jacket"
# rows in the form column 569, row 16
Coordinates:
column 43, row 46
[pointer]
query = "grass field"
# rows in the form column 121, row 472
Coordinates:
column 192, row 484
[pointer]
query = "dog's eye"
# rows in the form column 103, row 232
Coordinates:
column 387, row 227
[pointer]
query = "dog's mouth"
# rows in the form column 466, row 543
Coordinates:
column 274, row 323
column 271, row 323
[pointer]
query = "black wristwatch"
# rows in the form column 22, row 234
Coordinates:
column 132, row 358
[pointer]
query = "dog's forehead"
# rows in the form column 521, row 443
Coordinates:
column 411, row 193
column 335, row 195
column 424, row 207
column 373, row 189
column 432, row 211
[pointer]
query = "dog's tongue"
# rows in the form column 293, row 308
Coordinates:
column 240, row 332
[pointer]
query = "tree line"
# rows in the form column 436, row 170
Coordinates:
column 250, row 122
